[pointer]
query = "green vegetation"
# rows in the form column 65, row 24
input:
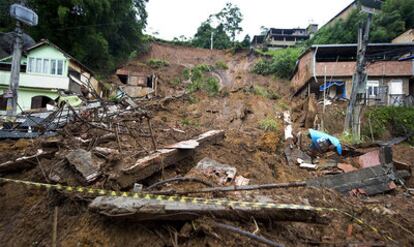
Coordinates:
column 397, row 121
column 176, row 81
column 221, row 65
column 264, row 92
column 200, row 81
column 157, row 63
column 281, row 64
column 224, row 33
column 188, row 122
column 349, row 139
column 269, row 124
column 396, row 17
column 101, row 34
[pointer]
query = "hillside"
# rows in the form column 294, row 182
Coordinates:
column 249, row 109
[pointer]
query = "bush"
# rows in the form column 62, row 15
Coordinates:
column 282, row 63
column 157, row 63
column 264, row 92
column 269, row 124
column 199, row 81
column 221, row 65
column 398, row 121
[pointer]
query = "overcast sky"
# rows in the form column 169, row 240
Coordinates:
column 172, row 18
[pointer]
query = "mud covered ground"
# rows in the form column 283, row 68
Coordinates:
column 26, row 215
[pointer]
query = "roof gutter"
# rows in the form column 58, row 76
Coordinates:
column 314, row 65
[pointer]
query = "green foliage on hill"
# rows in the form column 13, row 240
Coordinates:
column 101, row 34
column 398, row 121
column 281, row 64
column 395, row 17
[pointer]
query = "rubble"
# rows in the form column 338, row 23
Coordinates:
column 84, row 163
column 214, row 170
column 23, row 162
column 162, row 158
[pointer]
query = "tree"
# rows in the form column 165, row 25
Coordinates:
column 202, row 38
column 230, row 17
column 395, row 17
column 101, row 34
column 246, row 41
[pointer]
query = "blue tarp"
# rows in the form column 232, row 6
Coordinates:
column 407, row 58
column 316, row 135
column 329, row 84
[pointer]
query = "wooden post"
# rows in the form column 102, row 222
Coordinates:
column 54, row 230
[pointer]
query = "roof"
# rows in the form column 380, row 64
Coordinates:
column 47, row 42
column 373, row 48
column 258, row 39
column 286, row 32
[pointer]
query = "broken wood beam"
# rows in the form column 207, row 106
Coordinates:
column 372, row 180
column 162, row 158
column 125, row 208
column 24, row 162
column 236, row 188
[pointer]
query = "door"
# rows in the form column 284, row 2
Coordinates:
column 396, row 94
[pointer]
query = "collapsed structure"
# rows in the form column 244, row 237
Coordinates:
column 47, row 73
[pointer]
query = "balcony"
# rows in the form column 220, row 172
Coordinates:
column 37, row 80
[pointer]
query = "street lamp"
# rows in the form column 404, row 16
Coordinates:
column 28, row 17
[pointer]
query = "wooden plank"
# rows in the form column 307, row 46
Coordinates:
column 162, row 158
column 150, row 210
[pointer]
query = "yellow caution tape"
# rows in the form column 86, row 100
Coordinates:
column 185, row 199
column 149, row 196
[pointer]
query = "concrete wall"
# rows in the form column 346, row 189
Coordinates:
column 343, row 15
column 37, row 80
column 381, row 68
column 407, row 37
column 25, row 96
column 304, row 71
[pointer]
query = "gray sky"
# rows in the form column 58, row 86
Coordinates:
column 172, row 18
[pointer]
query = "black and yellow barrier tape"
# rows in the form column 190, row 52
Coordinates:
column 185, row 199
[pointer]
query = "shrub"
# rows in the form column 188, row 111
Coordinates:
column 199, row 81
column 398, row 121
column 186, row 74
column 157, row 63
column 282, row 63
column 176, row 81
column 264, row 92
column 221, row 65
column 269, row 124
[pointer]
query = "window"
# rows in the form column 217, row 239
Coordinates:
column 46, row 66
column 31, row 67
column 60, row 67
column 38, row 65
column 372, row 89
column 53, row 66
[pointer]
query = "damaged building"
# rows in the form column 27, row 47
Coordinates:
column 136, row 84
column 46, row 72
column 330, row 69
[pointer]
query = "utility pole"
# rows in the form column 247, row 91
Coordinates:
column 212, row 40
column 359, row 84
column 29, row 17
column 15, row 71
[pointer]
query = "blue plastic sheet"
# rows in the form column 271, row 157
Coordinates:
column 316, row 135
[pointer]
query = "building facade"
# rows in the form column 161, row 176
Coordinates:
column 328, row 70
column 46, row 70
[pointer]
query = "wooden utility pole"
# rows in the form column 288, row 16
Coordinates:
column 359, row 84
